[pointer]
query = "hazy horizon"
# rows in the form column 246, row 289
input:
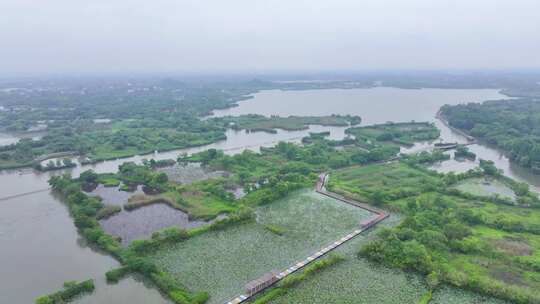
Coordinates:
column 240, row 36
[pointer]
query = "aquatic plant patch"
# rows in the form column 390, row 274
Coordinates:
column 242, row 253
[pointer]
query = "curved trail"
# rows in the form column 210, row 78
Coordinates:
column 320, row 187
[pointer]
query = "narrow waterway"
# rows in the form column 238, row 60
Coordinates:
column 41, row 248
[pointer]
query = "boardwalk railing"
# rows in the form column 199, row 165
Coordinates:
column 320, row 187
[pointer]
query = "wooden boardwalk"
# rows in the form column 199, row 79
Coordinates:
column 379, row 215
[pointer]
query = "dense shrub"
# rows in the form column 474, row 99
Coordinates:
column 68, row 293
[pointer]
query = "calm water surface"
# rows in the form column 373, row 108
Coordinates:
column 142, row 222
column 113, row 195
column 375, row 105
column 40, row 249
column 131, row 289
column 39, row 243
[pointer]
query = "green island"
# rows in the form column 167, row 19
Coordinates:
column 508, row 124
column 398, row 134
column 70, row 291
column 254, row 123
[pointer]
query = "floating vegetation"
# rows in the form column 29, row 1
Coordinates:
column 190, row 172
column 221, row 262
column 450, row 295
column 486, row 187
column 275, row 229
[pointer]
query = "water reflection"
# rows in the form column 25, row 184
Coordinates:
column 142, row 222
column 189, row 173
column 40, row 249
column 113, row 195
column 132, row 289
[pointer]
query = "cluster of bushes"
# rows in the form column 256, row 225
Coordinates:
column 463, row 152
column 71, row 290
column 271, row 192
column 165, row 283
column 511, row 125
column 107, row 211
column 152, row 163
column 419, row 242
column 133, row 174
column 424, row 157
column 435, row 229
column 452, row 178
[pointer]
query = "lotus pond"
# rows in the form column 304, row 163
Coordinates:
column 450, row 295
column 222, row 262
column 358, row 281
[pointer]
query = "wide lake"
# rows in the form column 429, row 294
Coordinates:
column 40, row 248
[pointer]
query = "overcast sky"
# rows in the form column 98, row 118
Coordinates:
column 76, row 36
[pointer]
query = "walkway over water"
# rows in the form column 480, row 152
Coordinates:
column 320, row 187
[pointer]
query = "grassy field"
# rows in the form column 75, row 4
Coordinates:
column 497, row 249
column 221, row 262
column 393, row 180
column 200, row 205
column 509, row 259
